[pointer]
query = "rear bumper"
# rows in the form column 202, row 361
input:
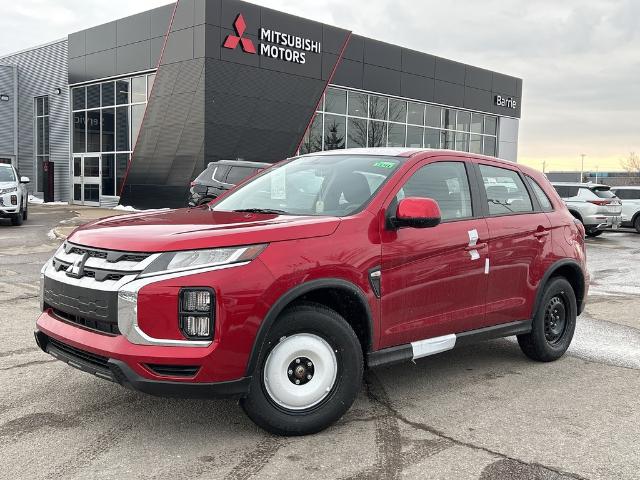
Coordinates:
column 120, row 372
column 602, row 222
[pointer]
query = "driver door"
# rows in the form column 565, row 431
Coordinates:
column 433, row 280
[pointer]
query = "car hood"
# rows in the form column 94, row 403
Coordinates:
column 196, row 228
column 8, row 184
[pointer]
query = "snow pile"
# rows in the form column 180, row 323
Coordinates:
column 129, row 208
column 39, row 201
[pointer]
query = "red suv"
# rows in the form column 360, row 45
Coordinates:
column 282, row 291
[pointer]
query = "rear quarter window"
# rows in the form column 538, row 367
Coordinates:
column 541, row 195
column 603, row 192
column 238, row 174
column 566, row 191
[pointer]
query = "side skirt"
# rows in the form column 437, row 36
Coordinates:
column 431, row 346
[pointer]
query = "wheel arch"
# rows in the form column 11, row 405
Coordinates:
column 576, row 214
column 569, row 269
column 342, row 296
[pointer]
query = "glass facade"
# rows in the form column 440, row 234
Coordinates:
column 41, row 129
column 350, row 119
column 107, row 117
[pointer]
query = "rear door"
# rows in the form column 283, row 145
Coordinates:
column 432, row 279
column 519, row 242
column 630, row 198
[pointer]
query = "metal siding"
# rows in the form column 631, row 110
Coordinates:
column 7, row 87
column 40, row 71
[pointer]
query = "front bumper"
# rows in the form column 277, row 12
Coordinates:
column 120, row 372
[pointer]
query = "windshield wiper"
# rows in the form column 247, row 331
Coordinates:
column 261, row 210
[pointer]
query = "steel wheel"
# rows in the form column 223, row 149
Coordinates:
column 300, row 372
column 555, row 319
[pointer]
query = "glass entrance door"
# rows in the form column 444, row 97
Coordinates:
column 86, row 180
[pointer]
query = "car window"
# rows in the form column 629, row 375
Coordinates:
column 603, row 192
column 541, row 195
column 7, row 174
column 586, row 193
column 505, row 190
column 238, row 174
column 627, row 194
column 566, row 191
column 221, row 172
column 207, row 175
column 446, row 183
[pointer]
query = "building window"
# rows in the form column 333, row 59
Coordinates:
column 107, row 118
column 350, row 118
column 41, row 126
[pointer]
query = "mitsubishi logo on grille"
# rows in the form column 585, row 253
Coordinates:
column 232, row 41
column 76, row 269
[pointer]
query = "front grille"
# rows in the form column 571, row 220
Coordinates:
column 174, row 370
column 100, row 326
column 83, row 355
column 92, row 253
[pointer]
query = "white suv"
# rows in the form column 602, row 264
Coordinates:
column 630, row 198
column 13, row 195
column 594, row 205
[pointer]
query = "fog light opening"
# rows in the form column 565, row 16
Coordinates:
column 196, row 315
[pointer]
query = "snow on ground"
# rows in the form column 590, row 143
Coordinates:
column 39, row 201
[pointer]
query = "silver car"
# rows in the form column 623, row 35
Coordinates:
column 630, row 198
column 594, row 205
column 13, row 195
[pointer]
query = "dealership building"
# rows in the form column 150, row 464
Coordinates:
column 131, row 111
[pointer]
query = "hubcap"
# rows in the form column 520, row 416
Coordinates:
column 555, row 320
column 300, row 371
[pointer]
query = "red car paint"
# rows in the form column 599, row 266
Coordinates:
column 429, row 285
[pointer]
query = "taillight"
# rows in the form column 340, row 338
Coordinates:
column 600, row 203
column 193, row 184
column 580, row 227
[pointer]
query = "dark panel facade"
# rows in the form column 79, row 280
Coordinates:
column 210, row 102
column 384, row 68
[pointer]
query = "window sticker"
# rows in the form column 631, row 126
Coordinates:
column 279, row 184
column 385, row 164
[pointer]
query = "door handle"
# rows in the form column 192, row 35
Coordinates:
column 541, row 233
column 477, row 246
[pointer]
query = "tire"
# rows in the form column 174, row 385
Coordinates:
column 330, row 360
column 636, row 224
column 18, row 218
column 25, row 213
column 593, row 232
column 553, row 324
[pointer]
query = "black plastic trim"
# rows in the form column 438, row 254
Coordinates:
column 289, row 297
column 126, row 377
column 390, row 356
column 495, row 331
column 119, row 372
column 580, row 300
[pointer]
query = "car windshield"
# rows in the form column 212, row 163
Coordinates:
column 7, row 175
column 336, row 185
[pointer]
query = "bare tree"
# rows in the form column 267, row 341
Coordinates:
column 631, row 164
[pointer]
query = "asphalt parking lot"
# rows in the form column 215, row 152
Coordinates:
column 482, row 412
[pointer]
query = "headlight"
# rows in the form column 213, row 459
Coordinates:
column 8, row 190
column 194, row 259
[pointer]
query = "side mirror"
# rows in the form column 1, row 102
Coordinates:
column 416, row 212
column 24, row 180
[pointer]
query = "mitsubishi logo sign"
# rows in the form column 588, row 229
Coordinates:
column 232, row 41
column 76, row 269
column 275, row 44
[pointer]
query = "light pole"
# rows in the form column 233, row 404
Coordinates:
column 582, row 155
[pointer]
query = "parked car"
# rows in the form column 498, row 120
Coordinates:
column 630, row 198
column 14, row 200
column 219, row 177
column 594, row 205
column 284, row 290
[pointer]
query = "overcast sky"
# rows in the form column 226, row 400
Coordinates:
column 580, row 59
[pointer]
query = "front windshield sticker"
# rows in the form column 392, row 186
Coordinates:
column 319, row 206
column 385, row 164
column 279, row 184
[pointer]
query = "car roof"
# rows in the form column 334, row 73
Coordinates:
column 240, row 163
column 626, row 187
column 578, row 184
column 404, row 152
